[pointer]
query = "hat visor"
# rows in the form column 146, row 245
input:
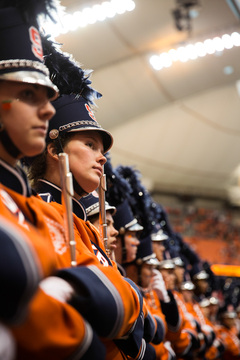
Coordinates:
column 112, row 209
column 95, row 211
column 187, row 286
column 168, row 265
column 178, row 262
column 201, row 276
column 229, row 315
column 152, row 261
column 106, row 136
column 32, row 77
column 135, row 227
column 159, row 237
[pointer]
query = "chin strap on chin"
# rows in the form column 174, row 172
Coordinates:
column 78, row 189
column 8, row 145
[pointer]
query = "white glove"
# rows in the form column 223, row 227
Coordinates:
column 158, row 285
column 57, row 288
column 7, row 344
column 168, row 346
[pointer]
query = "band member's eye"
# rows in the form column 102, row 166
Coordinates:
column 27, row 95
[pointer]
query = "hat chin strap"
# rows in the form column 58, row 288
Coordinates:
column 8, row 145
column 124, row 250
column 78, row 189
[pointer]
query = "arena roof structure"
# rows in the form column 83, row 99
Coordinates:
column 178, row 123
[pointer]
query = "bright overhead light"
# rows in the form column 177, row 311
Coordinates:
column 193, row 51
column 88, row 16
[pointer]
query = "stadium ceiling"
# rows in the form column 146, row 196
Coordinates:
column 180, row 125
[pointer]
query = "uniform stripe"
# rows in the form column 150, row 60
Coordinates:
column 28, row 261
column 117, row 298
column 143, row 349
column 84, row 344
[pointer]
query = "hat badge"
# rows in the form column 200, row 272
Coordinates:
column 53, row 134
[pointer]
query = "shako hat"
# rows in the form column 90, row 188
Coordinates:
column 74, row 107
column 124, row 219
column 145, row 254
column 187, row 285
column 22, row 57
column 167, row 264
column 118, row 195
column 159, row 235
column 91, row 204
column 74, row 114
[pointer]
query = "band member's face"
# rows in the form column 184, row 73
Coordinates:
column 229, row 323
column 86, row 159
column 146, row 275
column 25, row 111
column 169, row 278
column 179, row 272
column 206, row 311
column 158, row 249
column 187, row 295
column 111, row 231
column 131, row 244
column 202, row 286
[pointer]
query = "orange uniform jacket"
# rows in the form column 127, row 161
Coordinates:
column 100, row 268
column 231, row 343
column 22, row 266
column 53, row 329
column 187, row 342
column 205, row 325
column 50, row 329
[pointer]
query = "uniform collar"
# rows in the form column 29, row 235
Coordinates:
column 14, row 178
column 46, row 187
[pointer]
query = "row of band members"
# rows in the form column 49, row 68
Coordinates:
column 50, row 309
column 209, row 328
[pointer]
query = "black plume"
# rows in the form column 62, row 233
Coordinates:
column 30, row 9
column 66, row 73
column 141, row 200
column 118, row 189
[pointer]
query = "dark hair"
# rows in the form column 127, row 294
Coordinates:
column 37, row 168
column 93, row 218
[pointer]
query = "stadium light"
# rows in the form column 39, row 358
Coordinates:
column 194, row 51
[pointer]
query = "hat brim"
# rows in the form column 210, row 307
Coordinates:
column 151, row 260
column 32, row 77
column 187, row 286
column 201, row 276
column 178, row 262
column 229, row 315
column 159, row 237
column 106, row 136
column 167, row 265
column 134, row 227
column 95, row 211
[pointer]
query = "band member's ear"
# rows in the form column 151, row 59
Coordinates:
column 51, row 150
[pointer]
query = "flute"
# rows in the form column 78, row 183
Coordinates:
column 102, row 212
column 67, row 194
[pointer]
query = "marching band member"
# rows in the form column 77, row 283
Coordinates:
column 91, row 203
column 75, row 131
column 50, row 328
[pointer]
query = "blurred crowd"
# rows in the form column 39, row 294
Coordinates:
column 205, row 222
column 89, row 269
column 199, row 225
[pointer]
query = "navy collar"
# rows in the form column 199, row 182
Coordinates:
column 51, row 192
column 14, row 178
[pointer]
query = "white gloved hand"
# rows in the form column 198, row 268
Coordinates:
column 158, row 285
column 168, row 346
column 57, row 288
column 7, row 344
